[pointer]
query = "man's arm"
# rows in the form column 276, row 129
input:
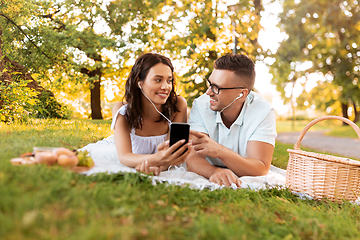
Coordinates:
column 197, row 163
column 258, row 161
column 201, row 166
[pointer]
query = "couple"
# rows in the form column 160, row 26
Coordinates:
column 232, row 128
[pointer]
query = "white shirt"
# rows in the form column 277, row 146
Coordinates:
column 256, row 122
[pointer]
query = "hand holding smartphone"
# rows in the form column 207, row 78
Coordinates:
column 179, row 131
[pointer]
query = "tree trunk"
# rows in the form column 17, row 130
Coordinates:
column 258, row 7
column 357, row 113
column 2, row 65
column 344, row 107
column 95, row 100
column 95, row 94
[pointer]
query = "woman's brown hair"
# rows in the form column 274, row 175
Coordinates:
column 133, row 93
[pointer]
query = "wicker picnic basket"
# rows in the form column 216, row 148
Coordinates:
column 323, row 176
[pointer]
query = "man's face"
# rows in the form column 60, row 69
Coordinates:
column 224, row 79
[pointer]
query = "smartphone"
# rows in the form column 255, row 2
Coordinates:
column 179, row 131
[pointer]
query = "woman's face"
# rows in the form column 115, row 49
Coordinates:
column 158, row 83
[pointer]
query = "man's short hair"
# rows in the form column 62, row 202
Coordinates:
column 241, row 65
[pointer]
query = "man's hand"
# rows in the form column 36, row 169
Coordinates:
column 204, row 145
column 224, row 177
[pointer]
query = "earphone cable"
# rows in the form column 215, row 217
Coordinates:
column 155, row 107
column 229, row 104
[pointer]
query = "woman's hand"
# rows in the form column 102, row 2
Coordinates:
column 166, row 156
column 147, row 169
column 170, row 156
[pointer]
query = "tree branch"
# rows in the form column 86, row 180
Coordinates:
column 22, row 31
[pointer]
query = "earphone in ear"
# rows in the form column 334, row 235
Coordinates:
column 240, row 96
column 139, row 85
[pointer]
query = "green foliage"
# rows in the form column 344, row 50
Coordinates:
column 40, row 202
column 62, row 46
column 325, row 34
column 208, row 35
column 48, row 107
column 325, row 96
column 18, row 102
column 85, row 42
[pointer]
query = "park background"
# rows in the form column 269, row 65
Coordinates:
column 306, row 54
column 64, row 63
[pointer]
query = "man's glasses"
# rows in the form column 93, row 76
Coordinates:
column 216, row 90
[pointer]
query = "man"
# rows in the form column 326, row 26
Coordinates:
column 232, row 128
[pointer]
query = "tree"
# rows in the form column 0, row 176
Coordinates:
column 63, row 42
column 69, row 48
column 325, row 33
column 20, row 94
column 208, row 35
column 192, row 34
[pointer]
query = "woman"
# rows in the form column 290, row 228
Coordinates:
column 141, row 125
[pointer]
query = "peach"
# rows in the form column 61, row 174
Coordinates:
column 45, row 157
column 62, row 150
column 67, row 160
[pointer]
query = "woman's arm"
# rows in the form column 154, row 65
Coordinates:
column 165, row 156
column 123, row 144
column 123, row 140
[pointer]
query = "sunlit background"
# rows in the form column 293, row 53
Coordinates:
column 307, row 54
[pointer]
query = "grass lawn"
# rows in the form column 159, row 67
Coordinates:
column 39, row 202
column 335, row 126
column 298, row 126
column 344, row 131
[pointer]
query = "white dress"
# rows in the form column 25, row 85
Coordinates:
column 140, row 144
column 104, row 152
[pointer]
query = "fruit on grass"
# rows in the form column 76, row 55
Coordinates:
column 61, row 150
column 85, row 159
column 67, row 160
column 48, row 158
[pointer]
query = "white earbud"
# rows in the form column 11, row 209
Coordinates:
column 240, row 96
column 139, row 85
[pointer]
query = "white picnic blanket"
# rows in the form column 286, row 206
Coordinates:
column 105, row 158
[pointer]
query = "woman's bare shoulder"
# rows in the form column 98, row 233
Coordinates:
column 181, row 102
column 181, row 105
column 117, row 106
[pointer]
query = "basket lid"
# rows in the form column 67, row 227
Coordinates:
column 325, row 157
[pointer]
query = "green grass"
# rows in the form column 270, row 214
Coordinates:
column 298, row 126
column 344, row 131
column 335, row 127
column 39, row 202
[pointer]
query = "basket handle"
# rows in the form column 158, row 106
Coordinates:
column 313, row 122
